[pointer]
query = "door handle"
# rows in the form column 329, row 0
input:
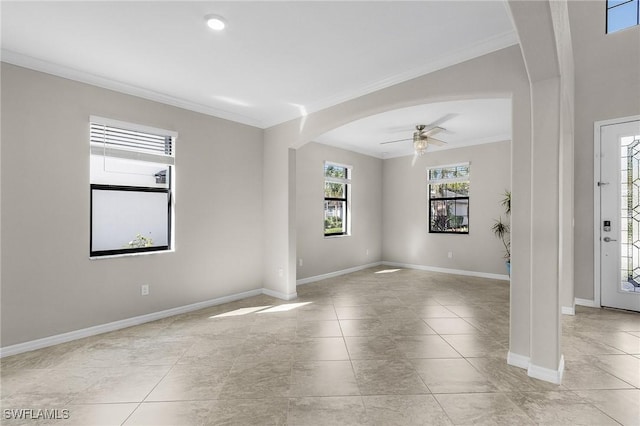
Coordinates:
column 608, row 239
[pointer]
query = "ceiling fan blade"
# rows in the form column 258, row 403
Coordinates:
column 439, row 121
column 414, row 159
column 434, row 141
column 434, row 131
column 399, row 140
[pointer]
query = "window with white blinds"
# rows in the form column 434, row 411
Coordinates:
column 124, row 140
column 131, row 180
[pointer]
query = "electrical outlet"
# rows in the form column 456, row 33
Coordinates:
column 450, row 254
column 280, row 272
column 366, row 252
column 144, row 289
column 299, row 262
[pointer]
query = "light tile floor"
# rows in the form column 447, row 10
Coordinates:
column 400, row 348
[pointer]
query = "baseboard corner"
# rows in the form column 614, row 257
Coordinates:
column 517, row 360
column 547, row 374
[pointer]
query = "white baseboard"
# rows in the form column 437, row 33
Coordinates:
column 516, row 360
column 535, row 371
column 117, row 325
column 336, row 273
column 568, row 310
column 586, row 302
column 547, row 374
column 279, row 295
column 449, row 271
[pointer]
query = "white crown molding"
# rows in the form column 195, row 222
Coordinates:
column 481, row 48
column 46, row 67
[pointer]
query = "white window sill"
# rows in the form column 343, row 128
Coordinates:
column 328, row 237
column 146, row 253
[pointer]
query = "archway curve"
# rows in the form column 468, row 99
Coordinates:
column 498, row 74
column 309, row 134
column 466, row 122
column 314, row 125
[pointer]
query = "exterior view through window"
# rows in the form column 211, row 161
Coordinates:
column 131, row 174
column 622, row 14
column 449, row 199
column 337, row 187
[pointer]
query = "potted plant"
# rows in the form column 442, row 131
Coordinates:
column 502, row 229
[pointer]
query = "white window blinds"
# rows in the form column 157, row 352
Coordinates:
column 113, row 138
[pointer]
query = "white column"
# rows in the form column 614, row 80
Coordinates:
column 279, row 206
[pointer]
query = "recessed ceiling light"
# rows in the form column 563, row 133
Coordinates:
column 215, row 22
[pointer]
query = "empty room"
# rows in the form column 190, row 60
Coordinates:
column 320, row 213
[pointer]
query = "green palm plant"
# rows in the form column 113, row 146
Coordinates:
column 501, row 229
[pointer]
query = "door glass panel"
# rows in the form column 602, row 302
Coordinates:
column 630, row 214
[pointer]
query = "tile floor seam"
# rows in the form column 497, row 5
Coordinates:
column 359, row 297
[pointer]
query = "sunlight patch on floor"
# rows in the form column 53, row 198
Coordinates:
column 284, row 308
column 387, row 271
column 261, row 310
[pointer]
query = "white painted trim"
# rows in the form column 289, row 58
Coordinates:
column 547, row 374
column 597, row 150
column 482, row 47
column 568, row 310
column 587, row 302
column 279, row 295
column 313, row 279
column 107, row 83
column 104, row 121
column 117, row 325
column 516, row 360
column 535, row 371
column 449, row 271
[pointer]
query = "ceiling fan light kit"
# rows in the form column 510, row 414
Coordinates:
column 422, row 137
column 419, row 144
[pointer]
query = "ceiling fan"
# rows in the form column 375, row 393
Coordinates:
column 422, row 137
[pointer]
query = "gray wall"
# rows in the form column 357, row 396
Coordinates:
column 322, row 255
column 406, row 238
column 49, row 284
column 607, row 86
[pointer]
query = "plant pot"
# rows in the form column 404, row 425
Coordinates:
column 508, row 265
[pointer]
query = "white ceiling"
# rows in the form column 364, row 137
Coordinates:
column 465, row 123
column 275, row 61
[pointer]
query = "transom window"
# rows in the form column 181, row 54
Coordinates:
column 131, row 180
column 622, row 14
column 337, row 193
column 449, row 199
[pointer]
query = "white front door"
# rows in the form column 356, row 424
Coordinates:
column 620, row 215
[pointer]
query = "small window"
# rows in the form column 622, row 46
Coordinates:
column 131, row 173
column 337, row 193
column 449, row 199
column 622, row 14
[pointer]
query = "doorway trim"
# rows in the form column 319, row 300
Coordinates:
column 597, row 149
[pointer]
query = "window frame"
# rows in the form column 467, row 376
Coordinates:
column 140, row 156
column 346, row 199
column 121, row 251
column 608, row 8
column 430, row 199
